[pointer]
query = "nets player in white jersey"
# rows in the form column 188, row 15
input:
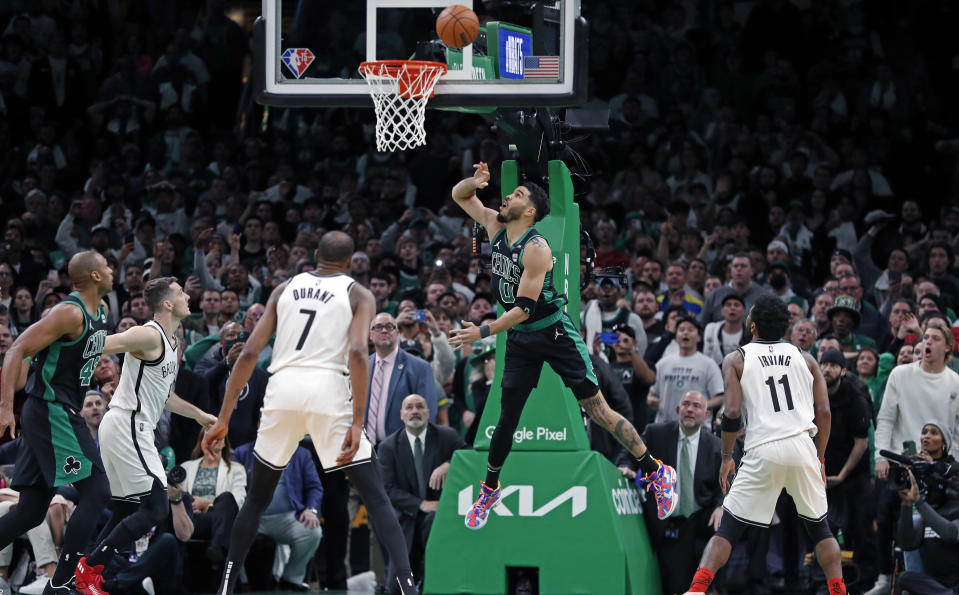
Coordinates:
column 320, row 373
column 136, row 474
column 782, row 394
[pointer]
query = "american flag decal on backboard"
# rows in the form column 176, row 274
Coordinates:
column 541, row 67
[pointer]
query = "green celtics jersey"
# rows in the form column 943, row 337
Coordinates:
column 507, row 270
column 62, row 371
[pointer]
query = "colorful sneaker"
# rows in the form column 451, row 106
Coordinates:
column 487, row 499
column 662, row 484
column 89, row 579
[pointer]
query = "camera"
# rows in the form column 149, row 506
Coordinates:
column 241, row 337
column 175, row 475
column 931, row 476
column 614, row 275
column 419, row 315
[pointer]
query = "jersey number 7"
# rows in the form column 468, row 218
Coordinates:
column 311, row 314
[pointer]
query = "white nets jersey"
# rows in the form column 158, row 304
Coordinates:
column 145, row 386
column 313, row 317
column 777, row 392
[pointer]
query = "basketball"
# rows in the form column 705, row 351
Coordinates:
column 457, row 26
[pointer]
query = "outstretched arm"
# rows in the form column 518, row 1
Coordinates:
column 243, row 368
column 464, row 194
column 141, row 341
column 62, row 320
column 177, row 405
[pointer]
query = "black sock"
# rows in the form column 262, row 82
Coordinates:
column 647, row 464
column 492, row 478
column 94, row 496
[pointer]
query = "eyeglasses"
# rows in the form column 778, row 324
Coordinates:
column 383, row 327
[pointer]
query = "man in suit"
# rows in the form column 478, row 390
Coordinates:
column 414, row 462
column 394, row 374
column 687, row 446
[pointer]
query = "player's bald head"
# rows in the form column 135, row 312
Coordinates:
column 335, row 247
column 82, row 264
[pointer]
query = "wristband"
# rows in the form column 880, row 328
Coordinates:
column 822, row 460
column 177, row 501
column 728, row 454
column 731, row 424
column 484, row 331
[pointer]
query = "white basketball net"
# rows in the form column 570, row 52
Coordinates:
column 400, row 90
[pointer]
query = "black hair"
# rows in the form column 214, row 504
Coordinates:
column 485, row 296
column 691, row 320
column 413, row 294
column 539, row 198
column 381, row 275
column 944, row 246
column 771, row 317
column 912, row 304
column 683, row 312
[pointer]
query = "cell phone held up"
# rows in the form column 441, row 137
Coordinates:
column 909, row 448
column 609, row 338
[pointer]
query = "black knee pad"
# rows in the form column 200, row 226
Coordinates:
column 584, row 390
column 730, row 528
column 817, row 530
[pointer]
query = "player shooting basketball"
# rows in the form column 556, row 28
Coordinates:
column 538, row 330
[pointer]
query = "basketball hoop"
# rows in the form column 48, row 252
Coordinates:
column 400, row 90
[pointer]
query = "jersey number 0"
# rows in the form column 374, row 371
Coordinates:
column 506, row 292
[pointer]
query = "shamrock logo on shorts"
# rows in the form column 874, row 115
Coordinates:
column 72, row 466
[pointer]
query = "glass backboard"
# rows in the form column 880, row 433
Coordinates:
column 528, row 53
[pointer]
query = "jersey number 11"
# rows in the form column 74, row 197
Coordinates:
column 771, row 383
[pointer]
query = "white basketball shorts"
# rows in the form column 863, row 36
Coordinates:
column 766, row 469
column 301, row 401
column 129, row 454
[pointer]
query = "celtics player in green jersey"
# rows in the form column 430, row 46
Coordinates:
column 538, row 330
column 57, row 448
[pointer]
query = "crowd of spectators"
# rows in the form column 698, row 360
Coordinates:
column 802, row 148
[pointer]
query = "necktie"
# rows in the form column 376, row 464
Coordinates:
column 687, row 500
column 418, row 466
column 376, row 388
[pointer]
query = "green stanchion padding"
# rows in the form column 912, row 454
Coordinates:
column 570, row 514
column 566, row 510
column 551, row 419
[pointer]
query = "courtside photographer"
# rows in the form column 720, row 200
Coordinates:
column 933, row 492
